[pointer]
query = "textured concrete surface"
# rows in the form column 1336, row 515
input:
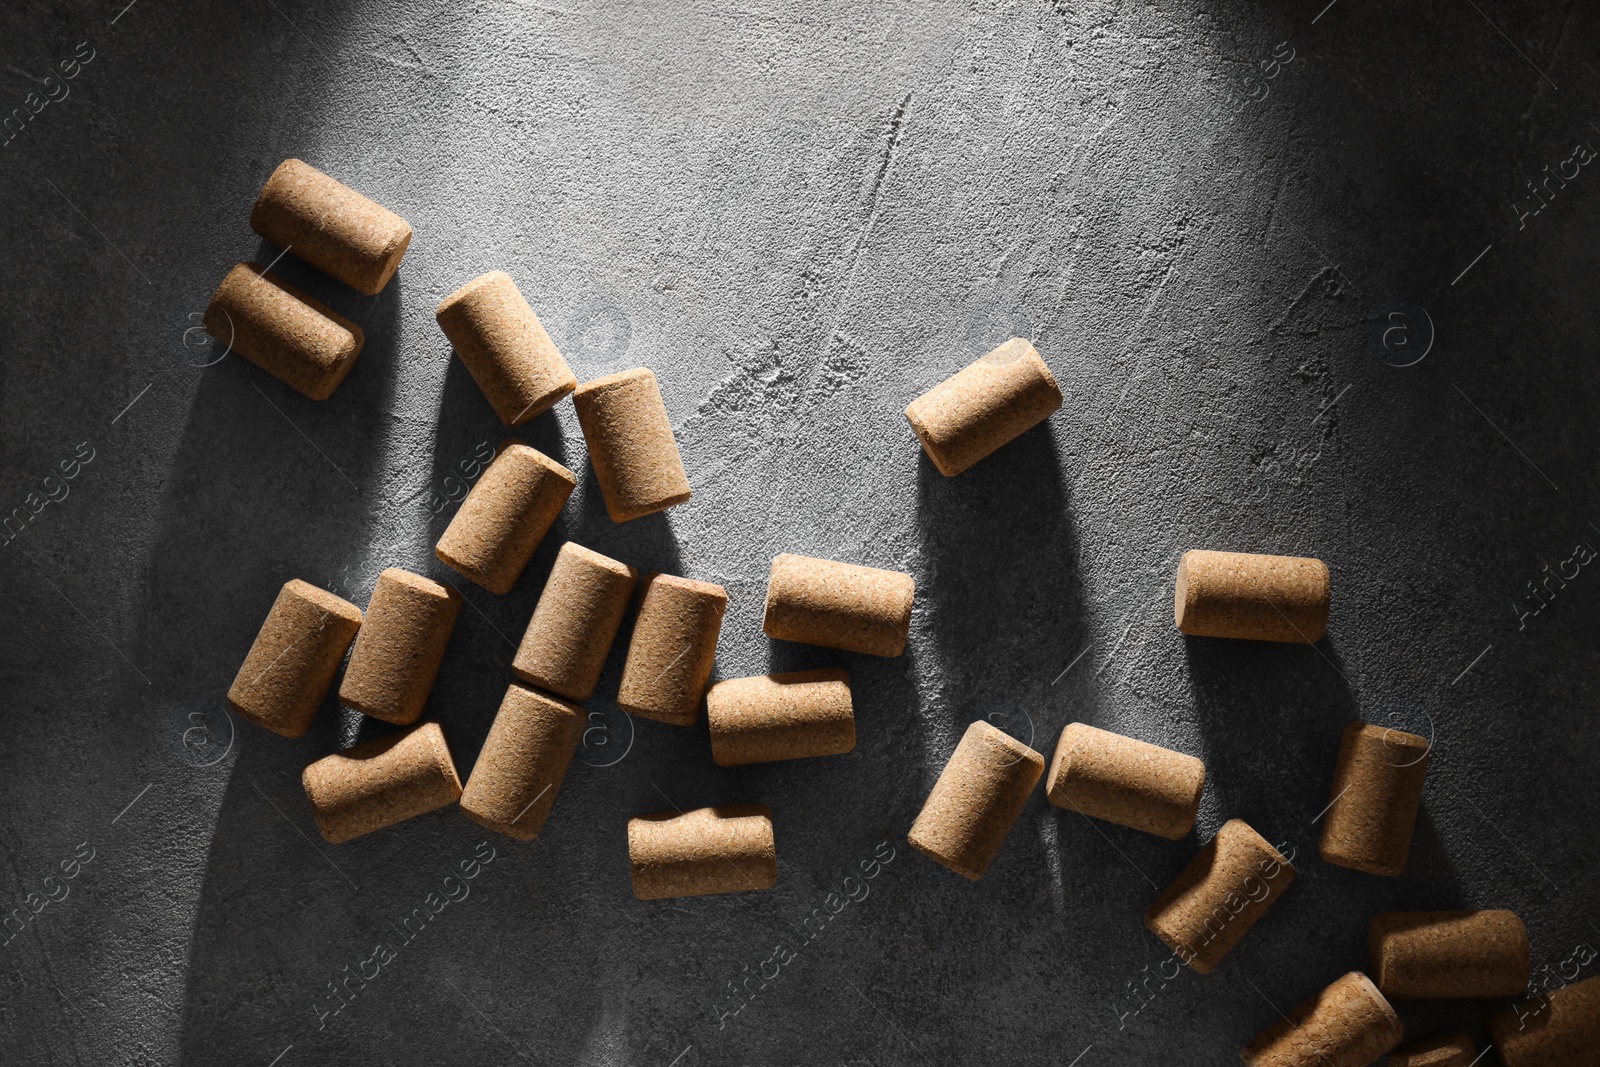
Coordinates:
column 1224, row 224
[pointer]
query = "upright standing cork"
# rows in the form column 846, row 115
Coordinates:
column 674, row 643
column 630, row 443
column 515, row 780
column 408, row 623
column 1219, row 896
column 1249, row 596
column 979, row 794
column 983, row 406
column 1449, row 954
column 781, row 716
column 838, row 605
column 724, row 849
column 1128, row 782
column 574, row 622
column 1559, row 1029
column 1440, row 1050
column 331, row 226
column 1349, row 1024
column 505, row 516
column 381, row 782
column 1372, row 810
column 299, row 341
column 504, row 345
column 294, row 657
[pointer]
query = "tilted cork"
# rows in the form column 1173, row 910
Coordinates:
column 505, row 347
column 1219, row 895
column 1558, row 1029
column 1449, row 954
column 507, row 513
column 574, row 623
column 298, row 340
column 1128, row 782
column 671, row 652
column 524, row 759
column 1372, row 808
column 292, row 661
column 1252, row 597
column 1348, row 1024
column 979, row 794
column 983, row 406
column 780, row 716
column 331, row 226
column 381, row 782
column 838, row 605
column 724, row 849
column 397, row 653
column 1440, row 1050
column 631, row 446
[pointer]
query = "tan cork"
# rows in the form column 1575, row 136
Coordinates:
column 838, row 605
column 501, row 522
column 780, row 716
column 723, row 849
column 1372, row 806
column 977, row 798
column 397, row 653
column 292, row 661
column 300, row 341
column 331, row 226
column 1252, row 597
column 1219, row 895
column 524, row 759
column 631, row 446
column 1449, row 954
column 1128, row 782
column 574, row 623
column 983, row 406
column 381, row 782
column 1558, row 1029
column 674, row 643
column 505, row 347
column 1348, row 1024
column 1440, row 1050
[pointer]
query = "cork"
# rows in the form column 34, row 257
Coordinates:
column 1128, row 782
column 674, row 642
column 1559, row 1029
column 381, row 782
column 1448, row 954
column 1440, row 1050
column 507, row 513
column 1222, row 892
column 574, row 623
column 292, row 661
column 838, row 605
column 296, row 339
column 983, row 406
column 1252, row 597
column 630, row 443
column 723, row 849
column 1372, row 807
column 781, row 716
column 408, row 623
column 1349, row 1024
column 518, row 773
column 979, row 794
column 331, row 226
column 505, row 347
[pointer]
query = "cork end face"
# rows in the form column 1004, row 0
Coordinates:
column 930, row 447
column 527, row 454
column 1014, row 749
column 275, row 726
column 621, row 514
column 931, row 850
column 416, row 583
column 658, row 715
column 1340, row 858
column 1181, row 601
column 498, row 827
column 321, row 598
column 558, row 392
column 393, row 252
column 493, row 279
column 613, row 381
column 497, row 584
column 589, row 556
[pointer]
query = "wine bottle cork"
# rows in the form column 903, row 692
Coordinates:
column 381, row 782
column 1128, row 782
column 1377, row 788
column 983, row 406
column 300, row 341
column 1222, row 892
column 780, row 716
column 1440, row 1050
column 1348, row 1024
column 1252, row 597
column 723, row 849
column 507, row 513
column 524, row 759
column 292, row 661
column 574, row 623
column 505, row 347
column 331, row 226
column 1558, row 1029
column 838, row 605
column 977, row 798
column 1449, row 954
column 630, row 441
column 397, row 653
column 671, row 652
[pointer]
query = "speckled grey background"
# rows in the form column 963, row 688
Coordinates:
column 1224, row 224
